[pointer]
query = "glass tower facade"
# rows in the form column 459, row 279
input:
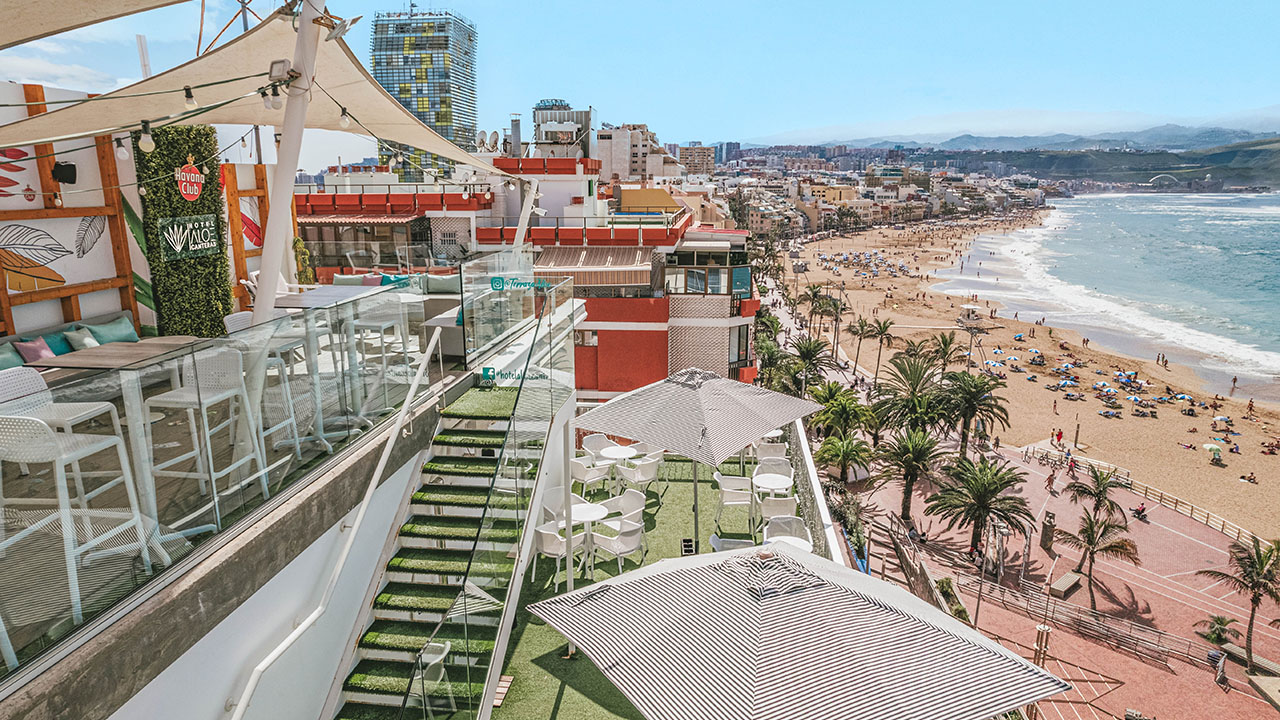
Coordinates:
column 427, row 61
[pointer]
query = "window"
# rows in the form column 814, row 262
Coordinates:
column 586, row 338
column 696, row 281
column 718, row 281
column 739, row 343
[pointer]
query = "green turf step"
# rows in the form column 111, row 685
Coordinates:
column 449, row 562
column 392, row 678
column 446, row 465
column 361, row 711
column 471, row 438
column 407, row 596
column 465, row 496
column 459, row 528
column 395, row 635
column 496, row 403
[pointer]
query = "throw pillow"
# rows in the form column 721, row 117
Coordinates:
column 33, row 350
column 9, row 357
column 55, row 341
column 118, row 330
column 348, row 279
column 81, row 339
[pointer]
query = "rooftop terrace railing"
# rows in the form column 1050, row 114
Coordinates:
column 119, row 461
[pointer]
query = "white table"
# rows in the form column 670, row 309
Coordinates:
column 616, row 454
column 772, row 483
column 587, row 513
column 792, row 541
column 772, row 435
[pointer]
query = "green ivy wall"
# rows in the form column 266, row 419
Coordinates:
column 192, row 295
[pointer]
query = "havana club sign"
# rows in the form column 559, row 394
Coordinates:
column 190, row 180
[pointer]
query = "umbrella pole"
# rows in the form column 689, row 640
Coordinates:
column 697, row 535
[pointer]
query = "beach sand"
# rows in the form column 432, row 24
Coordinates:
column 1149, row 448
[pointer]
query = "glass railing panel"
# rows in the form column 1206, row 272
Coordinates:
column 498, row 293
column 209, row 430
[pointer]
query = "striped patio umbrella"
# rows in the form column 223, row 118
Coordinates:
column 696, row 414
column 778, row 633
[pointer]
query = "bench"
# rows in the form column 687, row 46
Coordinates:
column 1064, row 584
column 1237, row 652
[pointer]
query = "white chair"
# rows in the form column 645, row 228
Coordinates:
column 23, row 391
column 210, row 378
column 582, row 472
column 786, row 526
column 282, row 407
column 772, row 507
column 31, row 440
column 284, row 339
column 735, row 491
column 628, row 541
column 641, row 475
column 554, row 505
column 765, row 451
column 550, row 543
column 377, row 316
column 429, row 675
column 630, row 507
column 593, row 444
column 720, row 544
column 774, row 466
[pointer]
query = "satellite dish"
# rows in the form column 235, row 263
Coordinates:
column 493, row 140
column 480, row 136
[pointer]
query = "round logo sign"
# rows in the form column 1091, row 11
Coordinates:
column 190, row 180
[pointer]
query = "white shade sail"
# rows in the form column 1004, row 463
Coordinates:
column 780, row 634
column 697, row 414
column 338, row 72
column 25, row 20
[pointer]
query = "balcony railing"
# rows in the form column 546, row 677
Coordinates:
column 120, row 460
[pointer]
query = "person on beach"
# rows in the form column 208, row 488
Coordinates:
column 1055, row 412
column 1048, row 482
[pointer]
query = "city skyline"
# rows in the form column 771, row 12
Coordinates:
column 934, row 71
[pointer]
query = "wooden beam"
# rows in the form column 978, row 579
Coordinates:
column 57, row 293
column 34, row 94
column 117, row 228
column 235, row 230
column 54, row 212
column 71, row 308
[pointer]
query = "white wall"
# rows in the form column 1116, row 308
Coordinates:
column 198, row 685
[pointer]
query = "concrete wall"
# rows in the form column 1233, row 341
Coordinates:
column 198, row 684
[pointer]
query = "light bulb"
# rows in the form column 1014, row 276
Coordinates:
column 57, row 199
column 344, row 120
column 465, row 195
column 276, row 102
column 142, row 189
column 190, row 100
column 488, row 196
column 146, row 143
column 266, row 100
column 243, row 144
column 121, row 152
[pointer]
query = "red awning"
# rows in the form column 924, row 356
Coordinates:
column 360, row 219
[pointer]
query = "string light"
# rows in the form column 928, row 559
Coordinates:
column 142, row 189
column 266, row 100
column 243, row 144
column 146, row 143
column 344, row 121
column 466, row 195
column 57, row 199
column 190, row 98
column 121, row 152
column 276, row 102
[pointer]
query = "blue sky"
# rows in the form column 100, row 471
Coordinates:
column 797, row 71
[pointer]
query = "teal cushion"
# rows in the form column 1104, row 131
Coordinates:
column 9, row 357
column 56, row 342
column 118, row 330
column 393, row 279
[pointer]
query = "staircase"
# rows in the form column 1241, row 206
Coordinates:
column 439, row 546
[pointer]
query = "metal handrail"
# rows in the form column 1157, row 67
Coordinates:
column 240, row 706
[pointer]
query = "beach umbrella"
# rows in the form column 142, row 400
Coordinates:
column 1132, row 372
column 1011, row 358
column 1222, row 418
column 696, row 414
column 775, row 633
column 997, row 351
column 1109, row 391
column 1068, row 366
column 1183, row 396
column 997, row 364
column 1134, row 398
column 1102, row 383
column 1034, row 351
column 1212, row 448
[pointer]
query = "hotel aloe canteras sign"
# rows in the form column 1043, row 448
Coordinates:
column 185, row 230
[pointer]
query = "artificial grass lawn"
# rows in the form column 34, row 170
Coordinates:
column 546, row 686
column 407, row 596
column 391, row 635
column 356, row 711
column 463, row 496
column 392, row 678
column 447, row 465
column 456, row 528
column 449, row 562
column 471, row 438
column 497, row 403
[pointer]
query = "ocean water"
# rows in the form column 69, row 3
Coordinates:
column 1196, row 277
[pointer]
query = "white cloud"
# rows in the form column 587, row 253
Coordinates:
column 44, row 72
column 48, row 47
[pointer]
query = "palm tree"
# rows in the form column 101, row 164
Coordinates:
column 910, row 456
column 1099, row 537
column 945, row 349
column 910, row 393
column 972, row 397
column 880, row 333
column 976, row 493
column 837, row 308
column 811, row 296
column 871, row 420
column 768, row 325
column 1097, row 492
column 771, row 359
column 825, row 393
column 915, row 348
column 814, row 355
column 841, row 416
column 1255, row 571
column 1218, row 628
column 844, row 453
column 860, row 329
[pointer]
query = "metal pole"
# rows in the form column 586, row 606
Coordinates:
column 1076, row 442
column 278, row 235
column 244, row 24
column 697, row 535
